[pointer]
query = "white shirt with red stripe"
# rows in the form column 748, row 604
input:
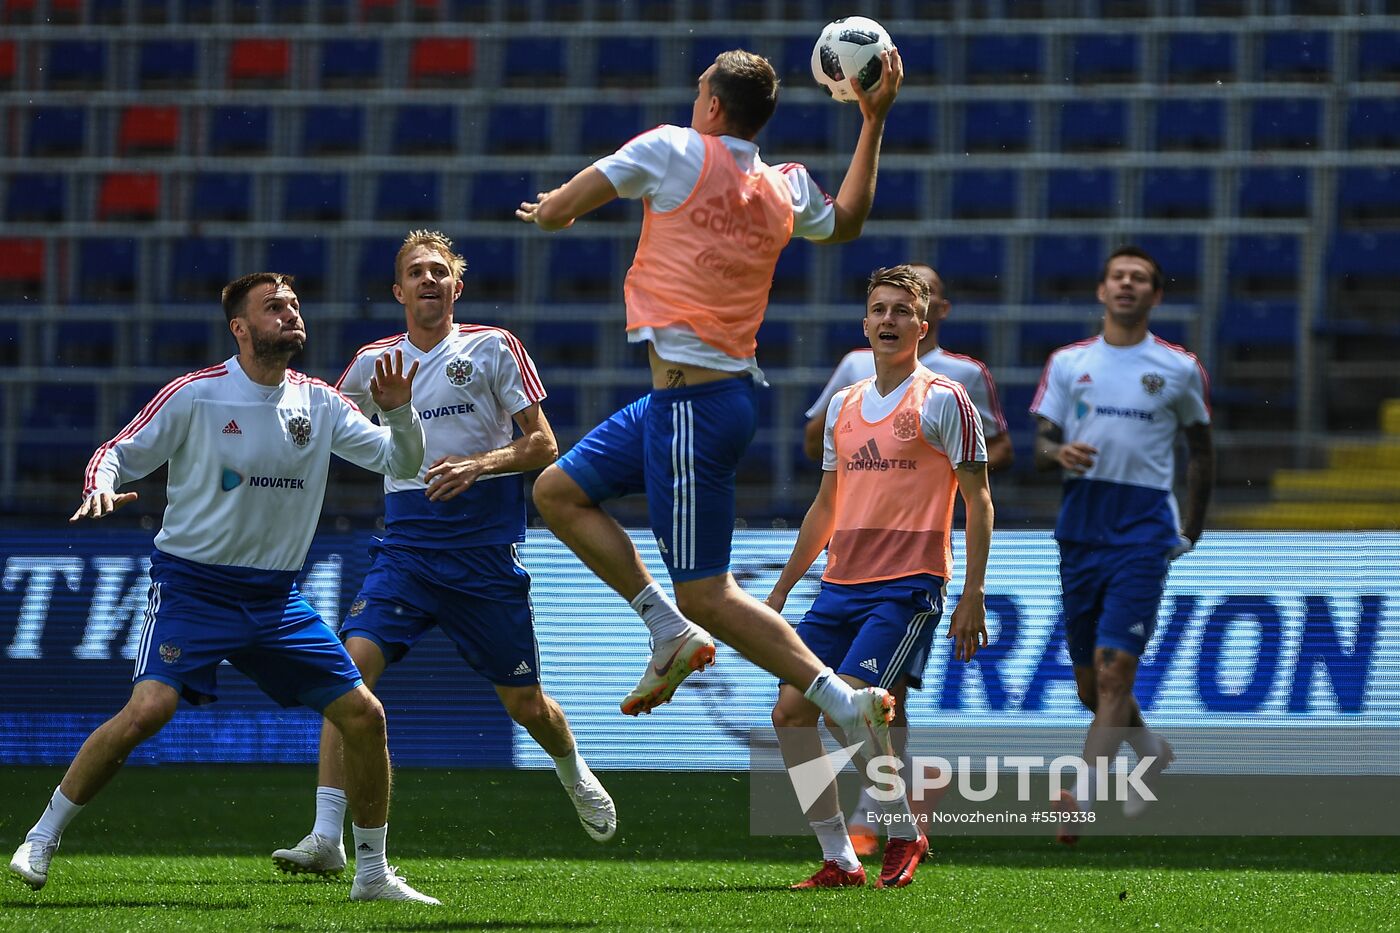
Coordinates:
column 467, row 391
column 248, row 462
column 950, row 421
column 971, row 372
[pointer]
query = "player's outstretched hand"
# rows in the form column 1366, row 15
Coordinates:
column 102, row 504
column 874, row 105
column 449, row 478
column 391, row 387
column 1077, row 456
column 529, row 211
column 968, row 628
column 776, row 600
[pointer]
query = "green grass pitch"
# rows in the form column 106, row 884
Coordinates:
column 187, row 849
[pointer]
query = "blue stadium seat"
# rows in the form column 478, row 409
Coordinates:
column 170, row 63
column 843, row 335
column 1190, row 125
column 1177, row 192
column 424, row 129
column 1276, row 191
column 59, row 426
column 86, row 343
column 1099, row 58
column 411, row 196
column 76, row 65
column 604, row 128
column 1373, row 123
column 561, row 406
column 899, row 196
column 518, row 130
column 1180, row 257
column 1368, row 196
column 1296, row 56
column 1036, row 340
column 332, row 130
column 183, row 344
column 863, row 256
column 108, row 270
column 967, row 337
column 566, row 342
column 1093, row 125
column 627, row 62
column 1200, row 57
column 1263, row 266
column 1285, row 123
column 581, row 269
column 1245, row 325
column 496, row 195
column 915, row 131
column 973, row 267
column 1078, row 193
column 702, row 50
column 792, row 279
column 374, row 270
column 492, row 268
column 1065, row 268
column 304, row 258
column 984, row 193
column 997, row 126
column 1004, row 59
column 534, row 62
column 355, row 332
column 1365, row 262
column 32, row 197
column 57, row 131
column 199, row 268
column 794, row 62
column 777, row 342
column 235, row 130
column 925, row 59
column 799, row 128
column 221, row 196
column 1378, row 55
column 314, row 196
column 350, row 62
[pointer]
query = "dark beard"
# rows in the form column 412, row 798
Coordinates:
column 279, row 349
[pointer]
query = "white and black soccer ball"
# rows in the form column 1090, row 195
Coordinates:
column 846, row 47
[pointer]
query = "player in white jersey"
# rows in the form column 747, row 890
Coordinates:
column 1109, row 411
column 716, row 219
column 448, row 555
column 248, row 443
column 971, row 372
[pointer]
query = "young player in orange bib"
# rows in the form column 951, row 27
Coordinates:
column 899, row 446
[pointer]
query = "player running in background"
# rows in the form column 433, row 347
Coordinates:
column 248, row 443
column 716, row 220
column 973, row 375
column 897, row 446
column 1109, row 410
column 448, row 556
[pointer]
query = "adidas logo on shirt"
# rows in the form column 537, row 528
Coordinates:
column 868, row 458
column 521, row 670
column 1085, row 379
column 871, row 665
column 232, row 428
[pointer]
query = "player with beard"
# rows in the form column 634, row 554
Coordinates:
column 248, row 443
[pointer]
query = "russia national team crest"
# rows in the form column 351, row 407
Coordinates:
column 169, row 653
column 906, row 425
column 459, row 372
column 299, row 428
column 1152, row 383
column 357, row 607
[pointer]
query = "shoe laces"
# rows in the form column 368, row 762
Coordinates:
column 588, row 793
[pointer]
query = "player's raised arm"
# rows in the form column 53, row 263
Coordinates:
column 396, row 448
column 557, row 209
column 857, row 194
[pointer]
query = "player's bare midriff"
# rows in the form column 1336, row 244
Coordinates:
column 666, row 374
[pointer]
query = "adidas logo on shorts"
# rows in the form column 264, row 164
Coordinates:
column 871, row 665
column 521, row 670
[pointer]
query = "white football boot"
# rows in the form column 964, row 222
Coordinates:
column 314, row 855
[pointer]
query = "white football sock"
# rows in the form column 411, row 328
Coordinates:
column 836, row 842
column 570, row 767
column 832, row 695
column 662, row 617
column 866, row 809
column 371, row 864
column 899, row 819
column 57, row 815
column 330, row 813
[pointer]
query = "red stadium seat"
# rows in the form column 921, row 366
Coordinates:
column 129, row 196
column 259, row 62
column 437, row 62
column 20, row 11
column 149, row 129
column 7, row 62
column 379, row 11
column 66, row 11
column 21, row 267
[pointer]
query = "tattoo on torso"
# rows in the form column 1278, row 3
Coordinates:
column 675, row 378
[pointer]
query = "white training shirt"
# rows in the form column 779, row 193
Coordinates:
column 248, row 462
column 467, row 391
column 1129, row 403
column 947, row 412
column 662, row 166
column 970, row 372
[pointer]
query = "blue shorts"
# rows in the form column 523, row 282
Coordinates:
column 875, row 632
column 199, row 615
column 1111, row 597
column 680, row 447
column 479, row 597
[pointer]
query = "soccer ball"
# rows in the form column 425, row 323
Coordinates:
column 846, row 47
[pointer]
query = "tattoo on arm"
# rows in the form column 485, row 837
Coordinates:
column 675, row 378
column 1049, row 436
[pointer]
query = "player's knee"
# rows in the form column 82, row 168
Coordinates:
column 361, row 718
column 527, row 707
column 552, row 492
column 1112, row 689
column 144, row 718
column 794, row 715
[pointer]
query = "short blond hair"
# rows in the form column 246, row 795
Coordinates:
column 434, row 240
column 903, row 277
